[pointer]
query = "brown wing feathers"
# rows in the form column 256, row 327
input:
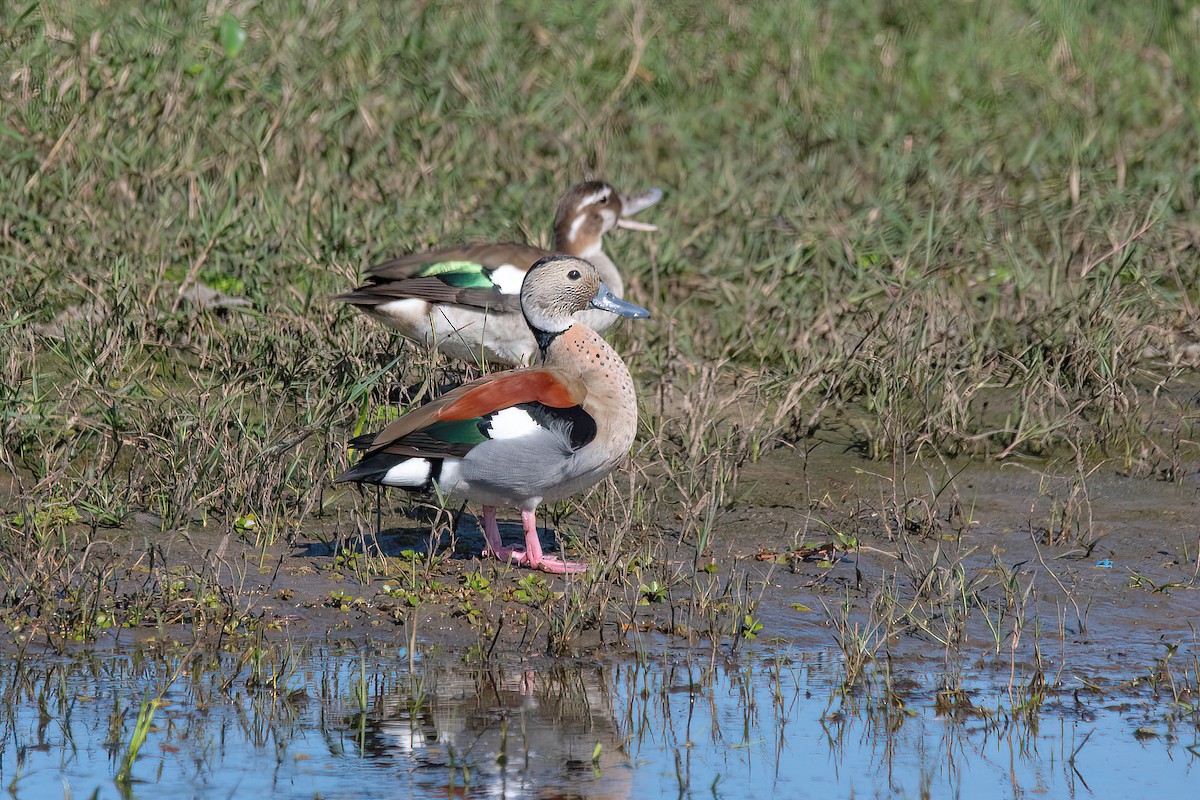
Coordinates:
column 398, row 279
column 432, row 290
column 489, row 255
column 484, row 396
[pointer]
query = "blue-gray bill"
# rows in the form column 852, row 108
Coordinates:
column 608, row 301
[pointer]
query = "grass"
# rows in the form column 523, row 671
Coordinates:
column 938, row 229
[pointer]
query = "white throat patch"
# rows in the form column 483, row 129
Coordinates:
column 573, row 231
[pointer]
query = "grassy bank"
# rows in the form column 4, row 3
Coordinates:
column 944, row 228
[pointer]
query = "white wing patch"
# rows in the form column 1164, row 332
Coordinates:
column 411, row 310
column 508, row 278
column 512, row 423
column 448, row 479
column 411, row 472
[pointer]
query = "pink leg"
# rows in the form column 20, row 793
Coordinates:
column 491, row 533
column 533, row 551
column 532, row 555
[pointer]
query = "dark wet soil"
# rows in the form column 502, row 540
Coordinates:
column 942, row 566
column 1103, row 567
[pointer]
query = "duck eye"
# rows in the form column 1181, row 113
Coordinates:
column 604, row 200
column 574, row 275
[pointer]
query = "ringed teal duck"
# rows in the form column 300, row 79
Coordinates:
column 465, row 300
column 525, row 436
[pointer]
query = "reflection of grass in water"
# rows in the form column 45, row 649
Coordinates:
column 889, row 713
column 438, row 721
column 141, row 729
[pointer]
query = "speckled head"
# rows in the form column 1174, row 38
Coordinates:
column 557, row 286
column 593, row 208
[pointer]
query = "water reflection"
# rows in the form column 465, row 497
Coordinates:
column 333, row 724
column 503, row 734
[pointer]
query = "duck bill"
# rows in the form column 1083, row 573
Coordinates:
column 632, row 204
column 607, row 301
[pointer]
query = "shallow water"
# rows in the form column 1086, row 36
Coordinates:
column 358, row 724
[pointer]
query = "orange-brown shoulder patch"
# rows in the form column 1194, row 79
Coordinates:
column 484, row 396
column 509, row 389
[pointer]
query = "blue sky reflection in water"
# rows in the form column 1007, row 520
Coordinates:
column 351, row 726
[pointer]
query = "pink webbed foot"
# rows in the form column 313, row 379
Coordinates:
column 504, row 554
column 532, row 556
column 551, row 564
column 533, row 552
column 557, row 566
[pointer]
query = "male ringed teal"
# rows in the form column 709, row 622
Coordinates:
column 465, row 300
column 525, row 436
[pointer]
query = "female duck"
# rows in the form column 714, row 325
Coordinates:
column 465, row 300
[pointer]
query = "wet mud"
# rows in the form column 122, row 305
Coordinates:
column 853, row 628
column 951, row 566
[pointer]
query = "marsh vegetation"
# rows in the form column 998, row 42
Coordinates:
column 919, row 382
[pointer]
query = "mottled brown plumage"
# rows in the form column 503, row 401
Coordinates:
column 464, row 300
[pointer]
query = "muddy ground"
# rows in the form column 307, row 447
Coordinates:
column 942, row 568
